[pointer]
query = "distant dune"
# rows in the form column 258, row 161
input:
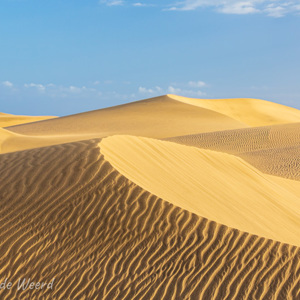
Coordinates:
column 254, row 112
column 164, row 198
column 158, row 117
column 11, row 120
column 273, row 149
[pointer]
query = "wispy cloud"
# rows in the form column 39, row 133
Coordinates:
column 185, row 92
column 7, row 84
column 140, row 4
column 95, row 90
column 112, row 2
column 190, row 89
column 101, row 90
column 273, row 8
column 37, row 86
column 196, row 84
column 154, row 90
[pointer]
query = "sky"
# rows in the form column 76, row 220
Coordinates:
column 64, row 57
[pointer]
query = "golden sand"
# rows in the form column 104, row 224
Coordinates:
column 214, row 185
column 11, row 120
column 165, row 198
column 254, row 112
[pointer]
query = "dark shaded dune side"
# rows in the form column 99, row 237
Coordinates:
column 273, row 149
column 66, row 213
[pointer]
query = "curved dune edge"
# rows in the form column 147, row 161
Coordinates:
column 217, row 186
column 253, row 112
column 67, row 214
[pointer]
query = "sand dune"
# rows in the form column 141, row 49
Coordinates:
column 11, row 120
column 158, row 117
column 165, row 198
column 66, row 213
column 217, row 186
column 11, row 141
column 254, row 112
column 273, row 150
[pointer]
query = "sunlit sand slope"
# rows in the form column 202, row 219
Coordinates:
column 273, row 150
column 218, row 186
column 157, row 117
column 67, row 214
column 11, row 120
column 253, row 112
column 289, row 184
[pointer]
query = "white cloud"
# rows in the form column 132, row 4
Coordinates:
column 7, row 84
column 139, row 4
column 273, row 8
column 185, row 92
column 174, row 90
column 154, row 90
column 39, row 87
column 56, row 90
column 275, row 11
column 196, row 84
column 239, row 8
column 190, row 89
column 112, row 2
column 77, row 89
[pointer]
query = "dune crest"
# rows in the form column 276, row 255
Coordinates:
column 67, row 214
column 217, row 186
column 253, row 112
column 158, row 117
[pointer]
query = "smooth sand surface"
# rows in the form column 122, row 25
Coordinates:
column 165, row 198
column 254, row 112
column 214, row 185
column 11, row 120
column 158, row 117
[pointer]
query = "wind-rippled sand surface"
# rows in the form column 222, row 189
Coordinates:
column 127, row 217
column 273, row 149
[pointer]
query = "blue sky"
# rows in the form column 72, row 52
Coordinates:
column 64, row 57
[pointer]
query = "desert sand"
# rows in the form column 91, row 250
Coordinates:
column 11, row 120
column 164, row 198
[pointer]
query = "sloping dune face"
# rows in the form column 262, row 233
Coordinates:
column 11, row 120
column 68, row 215
column 158, row 117
column 273, row 150
column 11, row 141
column 254, row 112
column 217, row 186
